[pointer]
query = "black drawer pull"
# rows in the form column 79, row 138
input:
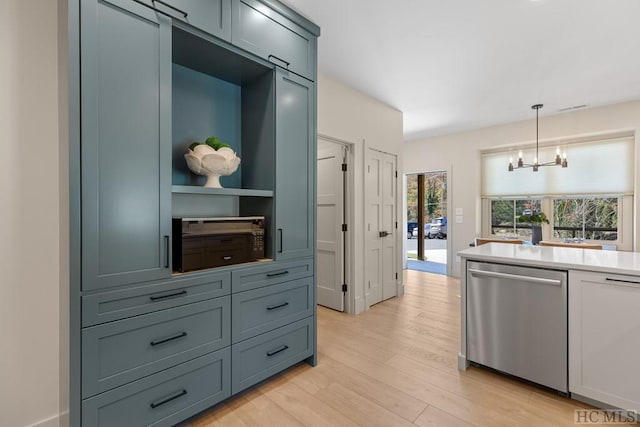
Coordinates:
column 273, row 307
column 171, row 7
column 165, row 340
column 227, row 258
column 168, row 399
column 280, row 273
column 279, row 59
column 163, row 297
column 278, row 350
column 226, row 240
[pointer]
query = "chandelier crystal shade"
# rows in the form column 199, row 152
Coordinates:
column 560, row 160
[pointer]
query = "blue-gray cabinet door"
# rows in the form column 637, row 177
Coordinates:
column 212, row 16
column 295, row 171
column 125, row 143
column 264, row 32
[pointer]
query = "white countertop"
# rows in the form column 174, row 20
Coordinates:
column 556, row 257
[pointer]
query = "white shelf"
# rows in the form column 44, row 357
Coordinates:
column 190, row 189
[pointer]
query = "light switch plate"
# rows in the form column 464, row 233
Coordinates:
column 459, row 219
column 459, row 211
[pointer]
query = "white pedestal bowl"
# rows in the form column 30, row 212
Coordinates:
column 204, row 160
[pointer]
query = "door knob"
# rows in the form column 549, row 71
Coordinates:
column 383, row 233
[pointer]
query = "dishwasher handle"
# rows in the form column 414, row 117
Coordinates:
column 498, row 275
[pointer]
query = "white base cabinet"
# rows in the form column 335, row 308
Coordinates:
column 604, row 338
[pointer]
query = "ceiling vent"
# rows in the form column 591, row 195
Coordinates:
column 575, row 107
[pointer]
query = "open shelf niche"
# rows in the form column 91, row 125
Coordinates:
column 218, row 91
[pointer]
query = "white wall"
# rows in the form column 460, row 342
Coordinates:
column 29, row 215
column 461, row 154
column 352, row 116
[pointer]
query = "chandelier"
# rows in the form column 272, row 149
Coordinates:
column 559, row 161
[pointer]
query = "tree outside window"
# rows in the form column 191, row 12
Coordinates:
column 586, row 218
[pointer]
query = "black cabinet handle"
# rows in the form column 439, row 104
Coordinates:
column 227, row 258
column 279, row 59
column 157, row 298
column 171, row 7
column 166, row 251
column 273, row 307
column 280, row 235
column 165, row 340
column 226, row 240
column 168, row 399
column 276, row 351
column 280, row 273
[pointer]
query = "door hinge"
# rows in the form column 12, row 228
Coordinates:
column 396, row 174
column 344, row 287
column 344, row 227
column 396, row 224
column 396, row 276
column 344, row 167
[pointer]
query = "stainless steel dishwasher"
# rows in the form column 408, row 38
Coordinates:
column 517, row 321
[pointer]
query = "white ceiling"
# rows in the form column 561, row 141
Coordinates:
column 453, row 65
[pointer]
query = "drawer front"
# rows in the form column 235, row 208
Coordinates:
column 270, row 273
column 166, row 398
column 276, row 38
column 265, row 355
column 261, row 310
column 211, row 16
column 116, row 305
column 119, row 352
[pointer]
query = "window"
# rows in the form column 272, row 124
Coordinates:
column 591, row 200
column 586, row 218
column 504, row 215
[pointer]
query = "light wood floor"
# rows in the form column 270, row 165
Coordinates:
column 394, row 365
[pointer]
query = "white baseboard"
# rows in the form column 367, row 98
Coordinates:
column 59, row 420
column 360, row 305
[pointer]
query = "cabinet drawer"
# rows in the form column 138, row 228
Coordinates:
column 258, row 358
column 268, row 34
column 166, row 398
column 211, row 16
column 116, row 305
column 261, row 310
column 119, row 352
column 269, row 274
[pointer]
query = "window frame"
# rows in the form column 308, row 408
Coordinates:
column 624, row 225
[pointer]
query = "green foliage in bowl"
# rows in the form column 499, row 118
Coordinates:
column 213, row 142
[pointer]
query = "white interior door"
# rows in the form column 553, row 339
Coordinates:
column 381, row 226
column 389, row 227
column 330, row 256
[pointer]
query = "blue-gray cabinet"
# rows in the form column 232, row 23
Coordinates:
column 165, row 398
column 295, row 172
column 149, row 345
column 264, row 309
column 116, row 353
column 274, row 37
column 211, row 16
column 264, row 355
column 125, row 143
